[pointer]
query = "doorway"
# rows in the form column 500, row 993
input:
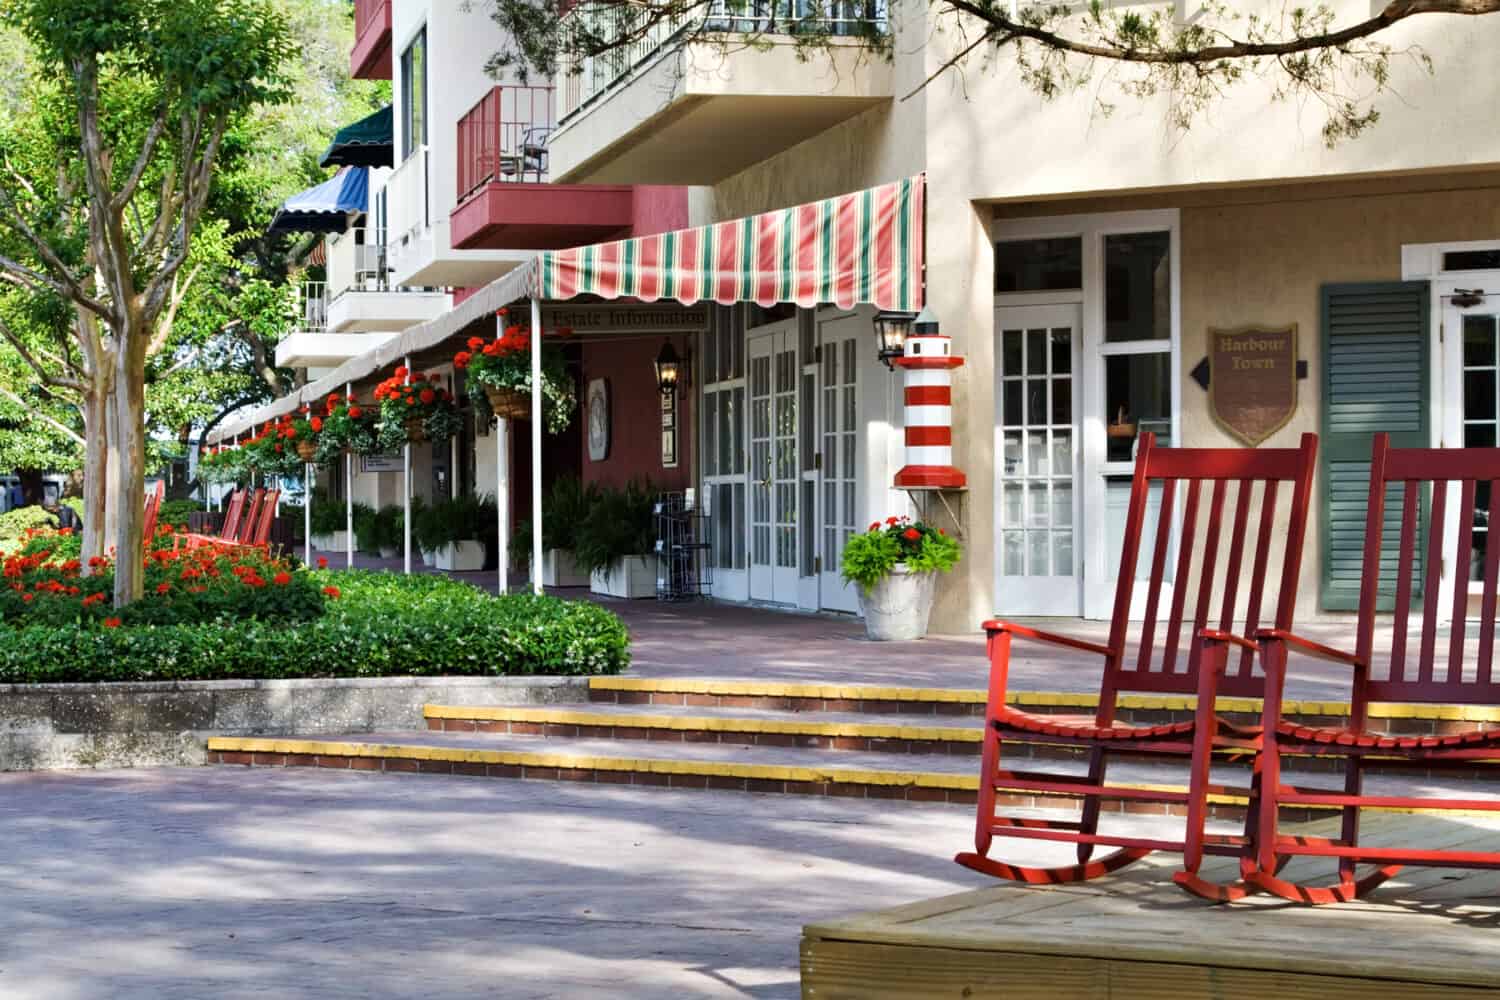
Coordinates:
column 775, row 480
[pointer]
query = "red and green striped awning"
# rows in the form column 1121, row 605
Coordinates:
column 864, row 247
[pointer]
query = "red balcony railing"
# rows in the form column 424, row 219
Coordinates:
column 504, row 138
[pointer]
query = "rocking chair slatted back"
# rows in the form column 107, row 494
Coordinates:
column 1441, row 673
column 232, row 516
column 247, row 528
column 1245, row 478
column 153, row 506
column 267, row 515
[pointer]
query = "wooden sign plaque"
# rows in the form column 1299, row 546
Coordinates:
column 1252, row 385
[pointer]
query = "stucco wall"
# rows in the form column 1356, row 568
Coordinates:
column 635, row 413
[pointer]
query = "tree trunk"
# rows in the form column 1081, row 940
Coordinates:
column 33, row 486
column 95, row 481
column 128, row 461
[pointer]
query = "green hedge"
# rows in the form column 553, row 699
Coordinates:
column 382, row 624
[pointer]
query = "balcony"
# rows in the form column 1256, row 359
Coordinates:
column 504, row 200
column 363, row 298
column 419, row 251
column 313, row 346
column 685, row 103
column 371, row 57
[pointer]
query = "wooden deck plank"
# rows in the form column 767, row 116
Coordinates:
column 1136, row 935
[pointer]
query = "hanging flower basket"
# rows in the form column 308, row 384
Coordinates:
column 511, row 404
column 415, row 431
column 306, row 450
column 415, row 408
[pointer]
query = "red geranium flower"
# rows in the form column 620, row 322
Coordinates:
column 411, row 400
column 911, row 534
column 874, row 525
column 162, row 588
column 475, row 343
column 332, row 592
column 282, row 579
column 111, row 623
column 461, row 360
column 892, row 520
column 317, row 424
column 355, row 412
column 322, row 562
column 26, row 598
column 428, row 397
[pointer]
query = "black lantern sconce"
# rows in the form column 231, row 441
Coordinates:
column 891, row 331
column 671, row 370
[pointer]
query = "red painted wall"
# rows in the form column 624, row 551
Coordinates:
column 635, row 414
column 658, row 209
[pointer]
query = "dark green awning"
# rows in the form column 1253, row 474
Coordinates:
column 366, row 143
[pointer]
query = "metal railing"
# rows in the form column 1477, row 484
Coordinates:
column 504, row 138
column 841, row 19
column 359, row 261
column 314, row 306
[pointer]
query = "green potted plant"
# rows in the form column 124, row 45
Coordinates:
column 893, row 566
column 454, row 531
column 390, row 531
column 567, row 504
column 616, row 542
column 367, row 529
column 498, row 376
column 329, row 523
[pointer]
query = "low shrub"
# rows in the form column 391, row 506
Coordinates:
column 375, row 624
column 175, row 512
column 15, row 523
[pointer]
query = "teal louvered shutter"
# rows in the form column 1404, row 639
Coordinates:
column 1375, row 378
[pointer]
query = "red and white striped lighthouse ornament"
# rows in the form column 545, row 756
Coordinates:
column 929, row 361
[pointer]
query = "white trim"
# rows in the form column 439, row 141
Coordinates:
column 1090, row 537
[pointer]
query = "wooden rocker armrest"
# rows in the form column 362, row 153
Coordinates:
column 1218, row 635
column 1309, row 648
column 1025, row 632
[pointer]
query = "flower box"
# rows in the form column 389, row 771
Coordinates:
column 460, row 556
column 389, row 551
column 337, row 541
column 560, row 569
column 630, row 577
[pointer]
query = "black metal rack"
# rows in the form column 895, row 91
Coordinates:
column 684, row 569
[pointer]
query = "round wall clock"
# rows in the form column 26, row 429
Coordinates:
column 598, row 419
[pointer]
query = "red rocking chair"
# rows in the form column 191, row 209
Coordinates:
column 1418, row 672
column 1155, row 664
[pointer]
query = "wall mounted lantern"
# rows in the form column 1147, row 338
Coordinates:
column 669, row 369
column 891, row 331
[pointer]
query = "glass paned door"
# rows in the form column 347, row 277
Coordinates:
column 1036, row 459
column 838, row 460
column 1471, row 363
column 774, row 476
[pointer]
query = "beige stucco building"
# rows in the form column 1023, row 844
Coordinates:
column 1080, row 258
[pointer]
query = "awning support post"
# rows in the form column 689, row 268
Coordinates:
column 536, row 444
column 348, row 492
column 406, row 489
column 307, row 491
column 502, row 502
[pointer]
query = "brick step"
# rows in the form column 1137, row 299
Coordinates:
column 938, row 779
column 1141, row 709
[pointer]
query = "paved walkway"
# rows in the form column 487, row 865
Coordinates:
column 228, row 883
column 710, row 639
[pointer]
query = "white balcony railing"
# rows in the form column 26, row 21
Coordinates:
column 314, row 306
column 409, row 199
column 358, row 260
column 842, row 18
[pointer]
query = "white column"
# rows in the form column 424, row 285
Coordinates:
column 453, row 467
column 307, row 485
column 536, row 445
column 348, row 494
column 502, row 500
column 406, row 491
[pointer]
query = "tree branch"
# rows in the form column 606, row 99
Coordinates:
column 36, row 414
column 164, row 325
column 142, row 161
column 46, row 377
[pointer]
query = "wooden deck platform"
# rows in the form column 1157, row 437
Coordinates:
column 1427, row 934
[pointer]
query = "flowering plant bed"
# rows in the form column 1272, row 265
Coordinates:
column 44, row 583
column 499, row 377
column 347, row 426
column 272, row 451
column 374, row 624
column 415, row 409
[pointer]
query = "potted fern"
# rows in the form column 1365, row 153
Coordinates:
column 453, row 531
column 567, row 505
column 894, row 566
column 616, row 540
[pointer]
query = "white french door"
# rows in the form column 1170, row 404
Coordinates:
column 1037, row 351
column 775, row 480
column 838, row 462
column 1469, row 342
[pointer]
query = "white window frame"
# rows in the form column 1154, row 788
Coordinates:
column 1098, row 575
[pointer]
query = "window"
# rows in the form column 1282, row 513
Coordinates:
column 1481, row 395
column 414, row 95
column 1472, row 260
column 1043, row 265
column 1138, row 287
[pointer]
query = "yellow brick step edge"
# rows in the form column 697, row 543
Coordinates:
column 1054, row 699
column 701, row 768
column 712, row 724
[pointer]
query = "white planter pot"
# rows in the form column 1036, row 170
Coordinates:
column 559, row 569
column 389, row 552
column 460, row 556
column 632, row 577
column 338, row 541
column 429, row 558
column 899, row 606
